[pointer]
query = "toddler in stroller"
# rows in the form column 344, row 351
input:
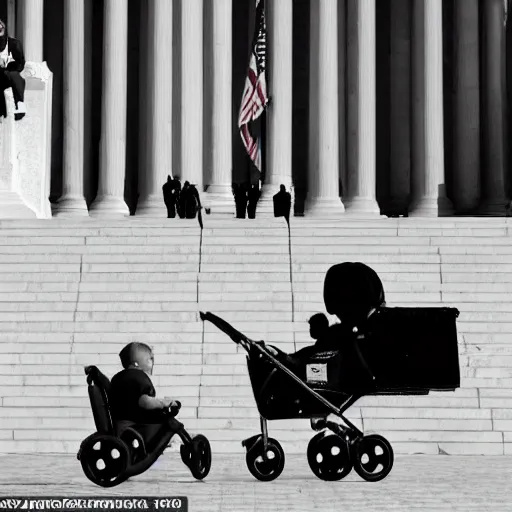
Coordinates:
column 133, row 426
column 375, row 350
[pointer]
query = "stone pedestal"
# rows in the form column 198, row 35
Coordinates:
column 25, row 149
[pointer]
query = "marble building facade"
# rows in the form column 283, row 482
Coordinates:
column 377, row 106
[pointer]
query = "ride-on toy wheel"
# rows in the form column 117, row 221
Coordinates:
column 329, row 457
column 104, row 459
column 266, row 465
column 135, row 444
column 373, row 458
column 200, row 460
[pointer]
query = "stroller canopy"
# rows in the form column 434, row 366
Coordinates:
column 352, row 290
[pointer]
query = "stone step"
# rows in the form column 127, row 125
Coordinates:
column 176, row 347
column 223, row 428
column 252, row 325
column 341, row 249
column 76, row 396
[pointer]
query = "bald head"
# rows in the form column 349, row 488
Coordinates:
column 137, row 355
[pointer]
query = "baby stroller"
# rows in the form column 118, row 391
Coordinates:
column 109, row 459
column 407, row 351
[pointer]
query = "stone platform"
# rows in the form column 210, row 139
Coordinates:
column 73, row 293
column 426, row 483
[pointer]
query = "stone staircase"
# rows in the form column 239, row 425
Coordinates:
column 74, row 293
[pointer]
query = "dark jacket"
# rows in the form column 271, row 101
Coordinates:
column 16, row 50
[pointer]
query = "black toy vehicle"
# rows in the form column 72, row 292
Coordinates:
column 112, row 455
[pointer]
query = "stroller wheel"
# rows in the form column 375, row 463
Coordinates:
column 200, row 458
column 329, row 457
column 373, row 458
column 266, row 465
column 104, row 459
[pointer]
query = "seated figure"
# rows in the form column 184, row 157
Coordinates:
column 171, row 190
column 353, row 292
column 132, row 395
column 12, row 63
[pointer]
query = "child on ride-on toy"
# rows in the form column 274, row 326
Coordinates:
column 132, row 395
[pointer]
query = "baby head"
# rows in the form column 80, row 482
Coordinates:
column 137, row 355
column 352, row 290
column 318, row 325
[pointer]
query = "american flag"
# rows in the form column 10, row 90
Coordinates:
column 255, row 98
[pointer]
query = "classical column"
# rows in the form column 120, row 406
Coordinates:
column 11, row 18
column 494, row 111
column 72, row 202
column 466, row 129
column 158, row 110
column 362, row 108
column 220, row 197
column 429, row 197
column 110, row 198
column 33, row 30
column 192, row 93
column 279, row 134
column 400, row 105
column 323, row 188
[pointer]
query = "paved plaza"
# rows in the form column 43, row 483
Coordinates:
column 480, row 483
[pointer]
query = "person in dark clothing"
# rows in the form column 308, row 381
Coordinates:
column 318, row 325
column 132, row 396
column 282, row 203
column 189, row 202
column 253, row 198
column 171, row 190
column 12, row 63
column 240, row 191
column 353, row 292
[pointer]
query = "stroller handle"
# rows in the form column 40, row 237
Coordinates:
column 247, row 343
column 226, row 328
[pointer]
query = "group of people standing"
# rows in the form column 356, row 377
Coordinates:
column 246, row 198
column 184, row 202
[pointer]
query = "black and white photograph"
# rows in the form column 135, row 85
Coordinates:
column 256, row 255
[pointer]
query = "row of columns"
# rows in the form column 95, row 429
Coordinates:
column 417, row 139
column 418, row 153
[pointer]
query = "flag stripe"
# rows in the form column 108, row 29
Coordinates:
column 254, row 98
